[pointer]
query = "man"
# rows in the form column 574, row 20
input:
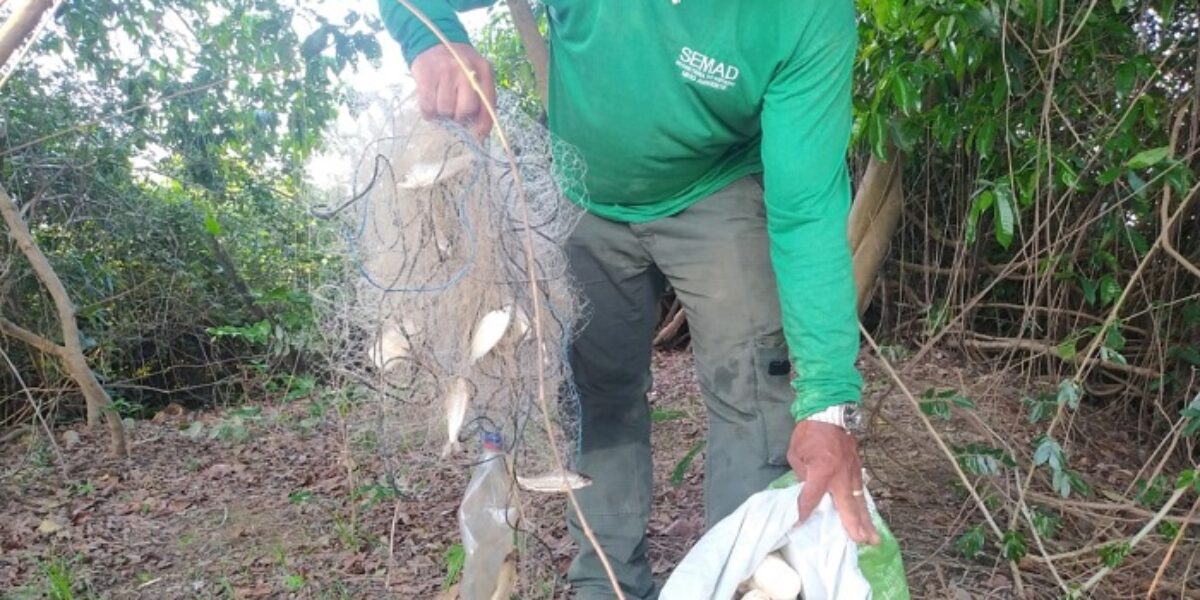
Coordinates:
column 679, row 108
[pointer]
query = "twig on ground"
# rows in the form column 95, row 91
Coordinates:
column 1162, row 567
column 1137, row 538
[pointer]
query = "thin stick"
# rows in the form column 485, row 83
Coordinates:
column 1162, row 567
column 1138, row 537
column 37, row 411
column 533, row 287
column 1094, row 345
column 962, row 476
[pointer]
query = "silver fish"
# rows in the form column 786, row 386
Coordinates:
column 457, row 398
column 554, row 482
column 423, row 175
column 489, row 331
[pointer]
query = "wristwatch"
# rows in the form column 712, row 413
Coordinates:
column 846, row 416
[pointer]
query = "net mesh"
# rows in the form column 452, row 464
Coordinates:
column 438, row 247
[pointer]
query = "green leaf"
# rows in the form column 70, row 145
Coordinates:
column 1005, row 217
column 981, row 459
column 877, row 135
column 981, row 203
column 1110, row 290
column 1048, row 452
column 1069, row 393
column 1126, row 74
column 1113, row 554
column 963, row 401
column 1089, row 288
column 936, row 408
column 1061, row 483
column 1167, row 529
column 1137, row 183
column 1153, row 493
column 1046, row 524
column 211, row 224
column 1110, row 175
column 1187, row 478
column 1148, row 158
column 1067, row 350
column 1078, row 485
column 1187, row 354
column 300, row 497
column 1192, row 413
column 970, row 543
column 882, row 12
column 455, row 558
column 1039, row 409
column 904, row 94
column 985, row 136
column 1013, row 546
column 681, row 467
column 662, row 415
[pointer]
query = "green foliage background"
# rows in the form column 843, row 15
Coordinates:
column 158, row 151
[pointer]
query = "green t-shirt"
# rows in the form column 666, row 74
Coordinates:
column 667, row 103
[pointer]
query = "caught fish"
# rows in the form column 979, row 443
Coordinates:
column 490, row 330
column 391, row 345
column 522, row 325
column 554, row 482
column 777, row 579
column 756, row 594
column 423, row 175
column 506, row 579
column 458, row 396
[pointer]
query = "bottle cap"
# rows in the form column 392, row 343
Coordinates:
column 492, row 440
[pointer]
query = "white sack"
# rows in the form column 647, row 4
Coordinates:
column 819, row 549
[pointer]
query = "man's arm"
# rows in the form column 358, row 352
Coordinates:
column 443, row 88
column 806, row 123
column 413, row 35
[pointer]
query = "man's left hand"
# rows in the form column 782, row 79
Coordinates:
column 825, row 457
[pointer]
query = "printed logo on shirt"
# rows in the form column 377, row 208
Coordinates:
column 706, row 70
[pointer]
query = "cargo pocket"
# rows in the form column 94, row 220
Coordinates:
column 774, row 395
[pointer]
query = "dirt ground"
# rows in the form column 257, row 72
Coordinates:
column 288, row 500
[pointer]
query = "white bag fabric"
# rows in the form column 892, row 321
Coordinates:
column 819, row 550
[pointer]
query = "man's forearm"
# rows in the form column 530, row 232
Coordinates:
column 413, row 35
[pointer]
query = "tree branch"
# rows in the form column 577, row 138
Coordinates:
column 16, row 331
column 22, row 22
column 1037, row 347
column 97, row 400
column 535, row 45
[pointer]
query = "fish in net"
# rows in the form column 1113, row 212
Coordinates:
column 457, row 307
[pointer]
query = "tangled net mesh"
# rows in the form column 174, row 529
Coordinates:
column 439, row 235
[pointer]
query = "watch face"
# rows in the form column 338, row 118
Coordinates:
column 854, row 419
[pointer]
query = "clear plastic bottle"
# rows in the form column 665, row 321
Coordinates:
column 487, row 520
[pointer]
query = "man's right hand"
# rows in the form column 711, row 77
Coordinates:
column 444, row 90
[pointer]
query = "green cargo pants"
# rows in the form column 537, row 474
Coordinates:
column 715, row 256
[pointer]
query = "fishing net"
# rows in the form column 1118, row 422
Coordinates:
column 442, row 243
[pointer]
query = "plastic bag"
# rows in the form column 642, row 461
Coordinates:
column 486, row 520
column 831, row 566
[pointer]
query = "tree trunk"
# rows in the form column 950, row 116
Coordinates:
column 535, row 45
column 18, row 26
column 873, row 219
column 235, row 279
column 71, row 352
